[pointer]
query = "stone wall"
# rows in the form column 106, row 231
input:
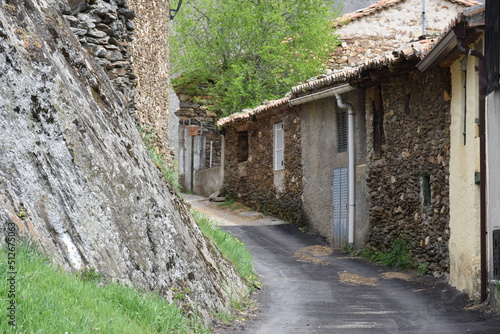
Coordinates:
column 74, row 173
column 105, row 30
column 415, row 146
column 254, row 181
column 195, row 111
column 130, row 40
column 392, row 28
column 150, row 62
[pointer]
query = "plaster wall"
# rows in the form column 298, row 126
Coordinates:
column 464, row 245
column 320, row 157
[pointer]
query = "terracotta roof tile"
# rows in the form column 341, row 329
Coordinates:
column 247, row 113
column 342, row 76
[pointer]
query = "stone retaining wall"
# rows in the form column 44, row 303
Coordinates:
column 130, row 40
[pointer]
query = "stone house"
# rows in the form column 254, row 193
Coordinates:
column 365, row 35
column 322, row 184
column 199, row 152
column 394, row 186
column 475, row 231
column 389, row 25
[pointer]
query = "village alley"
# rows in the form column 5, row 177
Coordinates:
column 310, row 288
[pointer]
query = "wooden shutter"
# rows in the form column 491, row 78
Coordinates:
column 278, row 146
column 342, row 130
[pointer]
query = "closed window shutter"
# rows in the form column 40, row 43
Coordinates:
column 342, row 130
column 278, row 146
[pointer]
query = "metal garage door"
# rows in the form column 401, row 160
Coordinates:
column 339, row 207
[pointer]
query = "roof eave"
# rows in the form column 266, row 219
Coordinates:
column 438, row 52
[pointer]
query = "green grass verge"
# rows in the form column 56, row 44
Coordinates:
column 233, row 249
column 50, row 300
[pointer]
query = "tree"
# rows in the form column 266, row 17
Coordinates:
column 246, row 51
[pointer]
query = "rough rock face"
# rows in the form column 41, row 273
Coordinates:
column 74, row 173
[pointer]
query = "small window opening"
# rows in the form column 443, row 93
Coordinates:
column 378, row 125
column 426, row 188
column 242, row 146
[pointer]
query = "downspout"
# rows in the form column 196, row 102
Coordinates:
column 424, row 10
column 351, row 165
column 482, row 157
column 337, row 91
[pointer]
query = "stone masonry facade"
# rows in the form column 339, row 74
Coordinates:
column 254, row 181
column 150, row 62
column 408, row 176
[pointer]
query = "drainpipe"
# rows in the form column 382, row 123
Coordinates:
column 337, row 91
column 424, row 10
column 460, row 32
column 351, row 166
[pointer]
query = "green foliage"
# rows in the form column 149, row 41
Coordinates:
column 168, row 172
column 91, row 275
column 351, row 249
column 398, row 255
column 231, row 248
column 423, row 268
column 50, row 300
column 242, row 53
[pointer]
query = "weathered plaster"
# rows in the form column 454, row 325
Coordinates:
column 464, row 242
column 320, row 157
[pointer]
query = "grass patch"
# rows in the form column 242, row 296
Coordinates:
column 398, row 255
column 168, row 172
column 231, row 248
column 50, row 300
column 232, row 205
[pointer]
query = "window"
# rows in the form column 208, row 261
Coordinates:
column 242, row 148
column 342, row 130
column 426, row 188
column 278, row 146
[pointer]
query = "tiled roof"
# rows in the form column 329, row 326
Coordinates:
column 384, row 4
column 327, row 80
column 247, row 113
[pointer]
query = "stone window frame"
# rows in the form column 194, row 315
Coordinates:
column 279, row 146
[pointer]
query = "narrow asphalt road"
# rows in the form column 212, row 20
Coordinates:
column 310, row 288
